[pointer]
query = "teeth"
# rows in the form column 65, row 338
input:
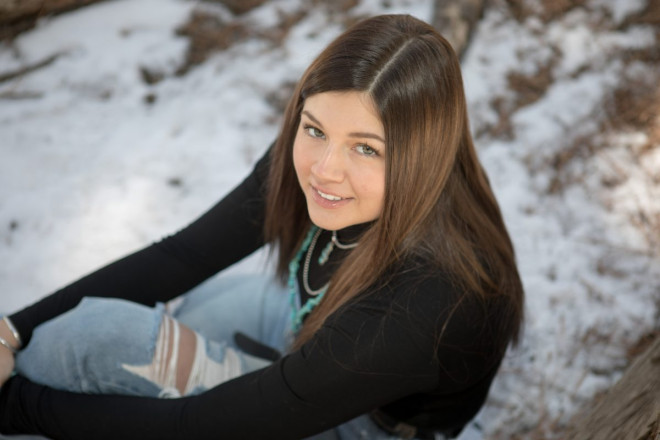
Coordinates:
column 328, row 196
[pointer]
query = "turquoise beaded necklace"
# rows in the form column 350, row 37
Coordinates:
column 298, row 315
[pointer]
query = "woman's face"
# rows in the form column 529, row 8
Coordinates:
column 339, row 156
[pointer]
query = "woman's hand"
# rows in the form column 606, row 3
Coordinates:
column 6, row 356
column 6, row 364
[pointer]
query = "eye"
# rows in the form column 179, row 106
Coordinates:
column 313, row 131
column 366, row 150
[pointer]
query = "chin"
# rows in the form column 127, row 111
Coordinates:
column 327, row 222
column 328, row 225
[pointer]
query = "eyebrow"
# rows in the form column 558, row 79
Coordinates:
column 352, row 134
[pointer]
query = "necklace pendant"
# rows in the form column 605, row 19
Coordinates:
column 325, row 253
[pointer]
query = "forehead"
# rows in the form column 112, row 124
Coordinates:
column 350, row 109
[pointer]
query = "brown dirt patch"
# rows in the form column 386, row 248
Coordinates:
column 546, row 10
column 207, row 33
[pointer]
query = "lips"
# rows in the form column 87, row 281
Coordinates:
column 327, row 200
column 328, row 196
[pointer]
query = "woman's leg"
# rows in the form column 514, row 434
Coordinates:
column 257, row 306
column 84, row 349
column 115, row 346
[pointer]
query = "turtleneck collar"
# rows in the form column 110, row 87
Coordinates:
column 352, row 233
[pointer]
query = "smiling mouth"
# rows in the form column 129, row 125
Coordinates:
column 329, row 197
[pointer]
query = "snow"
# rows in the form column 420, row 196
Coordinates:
column 91, row 171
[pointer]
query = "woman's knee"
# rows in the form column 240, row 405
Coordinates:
column 77, row 348
column 95, row 324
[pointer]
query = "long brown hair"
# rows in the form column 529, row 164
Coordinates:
column 438, row 202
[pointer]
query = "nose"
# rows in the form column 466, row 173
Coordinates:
column 329, row 166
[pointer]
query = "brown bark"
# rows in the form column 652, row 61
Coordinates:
column 631, row 409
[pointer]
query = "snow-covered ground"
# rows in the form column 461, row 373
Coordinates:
column 95, row 163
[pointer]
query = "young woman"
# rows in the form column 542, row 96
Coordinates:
column 397, row 291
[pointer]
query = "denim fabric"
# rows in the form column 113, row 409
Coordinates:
column 257, row 306
column 84, row 349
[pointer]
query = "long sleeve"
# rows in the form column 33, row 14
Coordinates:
column 379, row 349
column 229, row 231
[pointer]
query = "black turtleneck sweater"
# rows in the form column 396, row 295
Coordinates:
column 417, row 348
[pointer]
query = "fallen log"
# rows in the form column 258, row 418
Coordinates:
column 630, row 410
column 19, row 15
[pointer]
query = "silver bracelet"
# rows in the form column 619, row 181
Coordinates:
column 13, row 331
column 7, row 344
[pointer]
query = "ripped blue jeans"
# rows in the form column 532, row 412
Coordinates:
column 83, row 350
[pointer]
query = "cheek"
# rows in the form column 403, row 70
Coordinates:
column 298, row 158
column 379, row 193
column 372, row 186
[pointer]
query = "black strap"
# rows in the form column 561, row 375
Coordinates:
column 255, row 348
